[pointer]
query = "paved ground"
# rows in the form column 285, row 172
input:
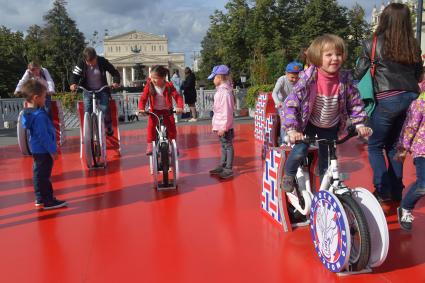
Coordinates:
column 8, row 136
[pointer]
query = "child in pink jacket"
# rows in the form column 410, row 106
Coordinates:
column 222, row 122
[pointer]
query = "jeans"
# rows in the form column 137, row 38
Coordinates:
column 103, row 105
column 42, row 170
column 418, row 189
column 386, row 122
column 227, row 152
column 300, row 151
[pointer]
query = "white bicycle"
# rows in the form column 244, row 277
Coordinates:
column 164, row 156
column 348, row 226
column 94, row 137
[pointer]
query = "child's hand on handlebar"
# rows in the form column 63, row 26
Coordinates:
column 295, row 136
column 220, row 133
column 179, row 110
column 141, row 113
column 364, row 132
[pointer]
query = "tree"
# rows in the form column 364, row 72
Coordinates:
column 35, row 44
column 64, row 43
column 12, row 61
column 359, row 30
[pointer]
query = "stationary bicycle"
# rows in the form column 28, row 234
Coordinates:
column 348, row 226
column 94, row 137
column 164, row 158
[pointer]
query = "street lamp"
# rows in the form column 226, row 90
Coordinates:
column 243, row 79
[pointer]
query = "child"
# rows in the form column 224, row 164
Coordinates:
column 159, row 93
column 222, row 122
column 285, row 83
column 284, row 87
column 320, row 104
column 42, row 143
column 412, row 139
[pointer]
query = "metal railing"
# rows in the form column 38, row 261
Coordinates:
column 127, row 105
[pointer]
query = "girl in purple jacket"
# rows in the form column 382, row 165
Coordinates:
column 412, row 139
column 320, row 104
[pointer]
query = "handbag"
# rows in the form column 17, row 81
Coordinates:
column 365, row 85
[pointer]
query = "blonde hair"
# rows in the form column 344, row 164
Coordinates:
column 317, row 47
column 224, row 78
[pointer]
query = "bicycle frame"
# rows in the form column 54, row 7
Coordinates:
column 95, row 107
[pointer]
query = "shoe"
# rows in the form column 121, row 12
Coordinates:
column 288, row 183
column 110, row 132
column 54, row 204
column 38, row 203
column 405, row 218
column 192, row 120
column 217, row 170
column 380, row 198
column 226, row 173
column 149, row 149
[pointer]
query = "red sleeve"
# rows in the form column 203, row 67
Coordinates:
column 144, row 96
column 177, row 97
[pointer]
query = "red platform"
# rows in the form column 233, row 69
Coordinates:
column 118, row 229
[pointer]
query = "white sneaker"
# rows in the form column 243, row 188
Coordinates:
column 192, row 120
column 405, row 218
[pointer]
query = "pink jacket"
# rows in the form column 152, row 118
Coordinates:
column 224, row 104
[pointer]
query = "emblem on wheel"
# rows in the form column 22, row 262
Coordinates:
column 329, row 229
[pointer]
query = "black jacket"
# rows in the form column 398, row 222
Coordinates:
column 78, row 75
column 389, row 75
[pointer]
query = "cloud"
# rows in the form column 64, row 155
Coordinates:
column 184, row 22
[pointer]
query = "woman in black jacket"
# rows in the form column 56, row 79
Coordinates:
column 189, row 92
column 398, row 70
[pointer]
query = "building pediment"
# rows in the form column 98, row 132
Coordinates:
column 136, row 36
column 138, row 58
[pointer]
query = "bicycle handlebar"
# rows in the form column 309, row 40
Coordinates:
column 311, row 140
column 93, row 91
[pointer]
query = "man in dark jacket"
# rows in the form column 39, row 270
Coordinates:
column 90, row 73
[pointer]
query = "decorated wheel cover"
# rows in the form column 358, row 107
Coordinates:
column 330, row 231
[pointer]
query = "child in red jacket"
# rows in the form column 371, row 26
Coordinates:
column 159, row 93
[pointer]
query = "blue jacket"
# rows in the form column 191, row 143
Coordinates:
column 42, row 131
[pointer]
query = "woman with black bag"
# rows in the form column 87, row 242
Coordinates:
column 398, row 67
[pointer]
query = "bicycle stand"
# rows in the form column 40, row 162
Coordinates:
column 273, row 201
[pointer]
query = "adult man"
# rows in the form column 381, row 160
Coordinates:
column 90, row 73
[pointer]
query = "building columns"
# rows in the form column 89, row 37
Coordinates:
column 124, row 77
column 132, row 74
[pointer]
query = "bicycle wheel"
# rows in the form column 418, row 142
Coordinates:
column 87, row 140
column 154, row 158
column 359, row 231
column 23, row 136
column 95, row 142
column 174, row 162
column 165, row 161
column 102, row 139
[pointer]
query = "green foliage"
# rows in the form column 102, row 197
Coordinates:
column 68, row 99
column 254, row 91
column 260, row 37
column 12, row 62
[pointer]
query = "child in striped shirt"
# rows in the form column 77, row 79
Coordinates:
column 320, row 104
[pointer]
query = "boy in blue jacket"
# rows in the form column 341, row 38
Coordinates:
column 42, row 143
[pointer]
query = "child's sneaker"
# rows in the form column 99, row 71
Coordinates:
column 149, row 149
column 288, row 183
column 55, row 204
column 405, row 218
column 216, row 170
column 38, row 203
column 226, row 173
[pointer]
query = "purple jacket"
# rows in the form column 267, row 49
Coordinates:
column 412, row 137
column 298, row 105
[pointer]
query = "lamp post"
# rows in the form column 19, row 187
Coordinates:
column 243, row 79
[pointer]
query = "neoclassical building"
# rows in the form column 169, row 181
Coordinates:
column 127, row 50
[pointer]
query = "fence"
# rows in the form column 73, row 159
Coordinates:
column 127, row 104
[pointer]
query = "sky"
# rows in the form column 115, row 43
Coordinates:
column 184, row 22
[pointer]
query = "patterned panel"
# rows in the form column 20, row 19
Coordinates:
column 269, row 198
